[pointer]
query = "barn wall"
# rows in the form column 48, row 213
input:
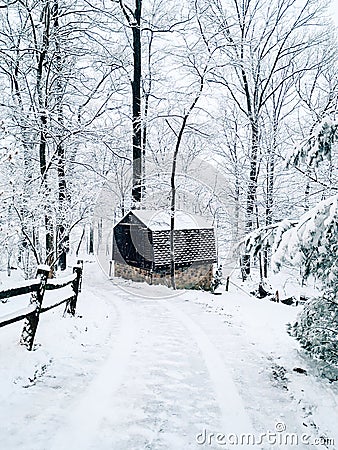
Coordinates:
column 194, row 277
column 133, row 244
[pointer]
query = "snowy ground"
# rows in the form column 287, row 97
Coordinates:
column 142, row 369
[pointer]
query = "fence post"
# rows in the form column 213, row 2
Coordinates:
column 76, row 285
column 80, row 264
column 277, row 296
column 32, row 320
column 227, row 284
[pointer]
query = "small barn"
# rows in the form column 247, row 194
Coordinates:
column 141, row 248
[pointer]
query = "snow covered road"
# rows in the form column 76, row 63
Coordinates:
column 137, row 372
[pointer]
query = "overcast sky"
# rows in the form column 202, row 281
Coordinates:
column 335, row 11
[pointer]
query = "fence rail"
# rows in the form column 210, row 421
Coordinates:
column 37, row 288
column 26, row 288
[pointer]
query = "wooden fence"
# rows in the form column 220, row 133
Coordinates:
column 37, row 288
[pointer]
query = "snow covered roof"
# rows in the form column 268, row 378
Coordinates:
column 160, row 220
column 194, row 239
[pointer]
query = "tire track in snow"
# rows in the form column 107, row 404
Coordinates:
column 84, row 419
column 234, row 417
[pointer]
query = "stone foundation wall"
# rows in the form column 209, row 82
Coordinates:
column 194, row 277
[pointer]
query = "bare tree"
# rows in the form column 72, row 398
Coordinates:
column 60, row 87
column 133, row 17
column 261, row 45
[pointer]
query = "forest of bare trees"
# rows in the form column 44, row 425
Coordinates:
column 141, row 97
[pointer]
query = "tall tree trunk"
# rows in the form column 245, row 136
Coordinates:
column 173, row 202
column 134, row 22
column 62, row 237
column 91, row 240
column 136, row 91
column 146, row 95
column 237, row 193
column 307, row 193
column 251, row 197
column 252, row 187
column 179, row 137
column 270, row 177
column 28, row 148
column 41, row 59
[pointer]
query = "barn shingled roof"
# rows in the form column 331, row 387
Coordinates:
column 160, row 220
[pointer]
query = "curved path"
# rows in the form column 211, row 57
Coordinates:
column 168, row 381
column 162, row 384
column 137, row 373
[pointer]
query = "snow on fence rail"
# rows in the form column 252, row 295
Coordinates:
column 37, row 288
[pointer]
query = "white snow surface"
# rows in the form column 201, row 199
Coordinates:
column 160, row 220
column 139, row 368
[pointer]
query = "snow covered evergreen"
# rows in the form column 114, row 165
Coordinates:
column 310, row 243
column 313, row 244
